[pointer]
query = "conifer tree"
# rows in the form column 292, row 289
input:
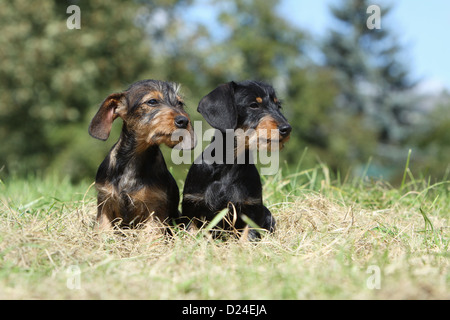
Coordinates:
column 372, row 78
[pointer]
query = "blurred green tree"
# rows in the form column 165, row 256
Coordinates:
column 258, row 43
column 374, row 84
column 52, row 79
column 430, row 142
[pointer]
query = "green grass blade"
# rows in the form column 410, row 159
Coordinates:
column 406, row 169
column 217, row 219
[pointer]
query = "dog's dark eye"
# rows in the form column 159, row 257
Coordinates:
column 254, row 105
column 152, row 102
column 180, row 104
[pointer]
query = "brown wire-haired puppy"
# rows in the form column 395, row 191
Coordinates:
column 133, row 182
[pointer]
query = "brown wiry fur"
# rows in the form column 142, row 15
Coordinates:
column 133, row 182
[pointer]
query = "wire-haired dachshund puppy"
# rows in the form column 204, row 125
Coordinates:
column 253, row 109
column 133, row 182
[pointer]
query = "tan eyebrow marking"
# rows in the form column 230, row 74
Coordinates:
column 259, row 100
column 153, row 95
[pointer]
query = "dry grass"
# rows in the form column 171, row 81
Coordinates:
column 325, row 245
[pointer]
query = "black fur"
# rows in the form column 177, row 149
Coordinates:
column 212, row 187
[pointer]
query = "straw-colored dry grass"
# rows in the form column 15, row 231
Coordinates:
column 330, row 244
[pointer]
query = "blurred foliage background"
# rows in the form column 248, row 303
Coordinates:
column 359, row 105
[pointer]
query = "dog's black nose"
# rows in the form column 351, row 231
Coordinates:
column 181, row 122
column 285, row 129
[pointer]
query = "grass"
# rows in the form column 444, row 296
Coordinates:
column 331, row 235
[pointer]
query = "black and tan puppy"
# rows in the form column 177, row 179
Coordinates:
column 133, row 182
column 250, row 109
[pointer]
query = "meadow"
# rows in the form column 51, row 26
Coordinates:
column 336, row 238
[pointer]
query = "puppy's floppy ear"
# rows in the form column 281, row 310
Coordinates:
column 219, row 108
column 110, row 109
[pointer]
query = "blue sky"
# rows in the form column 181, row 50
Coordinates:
column 422, row 27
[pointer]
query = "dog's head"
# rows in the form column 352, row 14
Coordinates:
column 152, row 111
column 250, row 108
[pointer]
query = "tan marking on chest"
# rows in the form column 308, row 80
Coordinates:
column 150, row 201
column 143, row 204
